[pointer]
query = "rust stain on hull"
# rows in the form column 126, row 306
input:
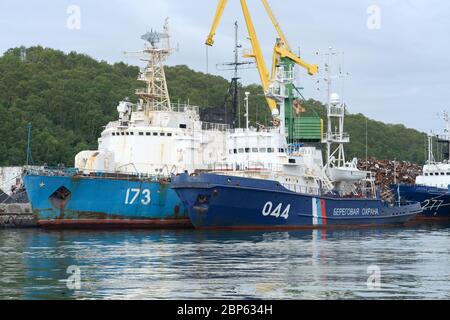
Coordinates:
column 115, row 224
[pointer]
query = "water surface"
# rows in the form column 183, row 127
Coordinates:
column 414, row 263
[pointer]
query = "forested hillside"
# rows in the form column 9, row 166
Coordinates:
column 69, row 97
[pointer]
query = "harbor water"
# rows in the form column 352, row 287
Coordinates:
column 406, row 263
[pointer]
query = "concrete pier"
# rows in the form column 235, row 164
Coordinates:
column 16, row 215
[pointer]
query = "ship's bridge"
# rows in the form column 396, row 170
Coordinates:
column 435, row 175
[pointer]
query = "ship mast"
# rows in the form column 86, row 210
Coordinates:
column 155, row 96
column 234, row 85
column 335, row 115
column 431, row 159
column 441, row 139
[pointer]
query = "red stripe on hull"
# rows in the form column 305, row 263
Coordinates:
column 115, row 224
column 324, row 212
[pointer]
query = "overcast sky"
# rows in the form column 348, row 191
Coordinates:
column 398, row 64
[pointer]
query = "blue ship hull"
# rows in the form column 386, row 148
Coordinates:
column 435, row 201
column 75, row 201
column 227, row 202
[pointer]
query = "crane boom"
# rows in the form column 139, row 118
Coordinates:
column 284, row 53
column 219, row 12
column 282, row 49
column 257, row 55
column 276, row 24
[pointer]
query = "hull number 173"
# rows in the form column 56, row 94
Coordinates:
column 132, row 196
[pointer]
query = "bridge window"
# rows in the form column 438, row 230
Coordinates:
column 113, row 133
column 255, row 150
column 263, row 150
column 155, row 133
column 141, row 133
column 247, row 150
column 270, row 150
column 241, row 150
column 442, row 174
column 147, row 133
column 183, row 126
column 162, row 134
column 169, row 134
column 235, row 151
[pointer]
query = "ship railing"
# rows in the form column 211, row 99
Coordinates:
column 50, row 171
column 211, row 126
column 244, row 167
column 317, row 191
column 442, row 137
column 396, row 203
column 344, row 137
column 175, row 107
column 336, row 111
column 73, row 172
column 260, row 129
column 297, row 188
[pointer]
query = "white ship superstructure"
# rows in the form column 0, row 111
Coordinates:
column 265, row 154
column 436, row 173
column 155, row 136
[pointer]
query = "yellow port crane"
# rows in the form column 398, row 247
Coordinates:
column 281, row 49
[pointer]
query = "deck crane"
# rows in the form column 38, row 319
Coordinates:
column 282, row 50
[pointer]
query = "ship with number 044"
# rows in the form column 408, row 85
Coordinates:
column 294, row 190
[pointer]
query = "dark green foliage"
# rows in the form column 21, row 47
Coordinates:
column 384, row 141
column 68, row 98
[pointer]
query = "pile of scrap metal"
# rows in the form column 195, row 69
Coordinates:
column 388, row 172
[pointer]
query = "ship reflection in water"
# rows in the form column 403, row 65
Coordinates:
column 195, row 265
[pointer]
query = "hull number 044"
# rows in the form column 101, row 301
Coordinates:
column 276, row 211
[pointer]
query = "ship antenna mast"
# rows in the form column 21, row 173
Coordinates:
column 335, row 111
column 155, row 96
column 235, row 67
column 446, row 138
column 445, row 116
